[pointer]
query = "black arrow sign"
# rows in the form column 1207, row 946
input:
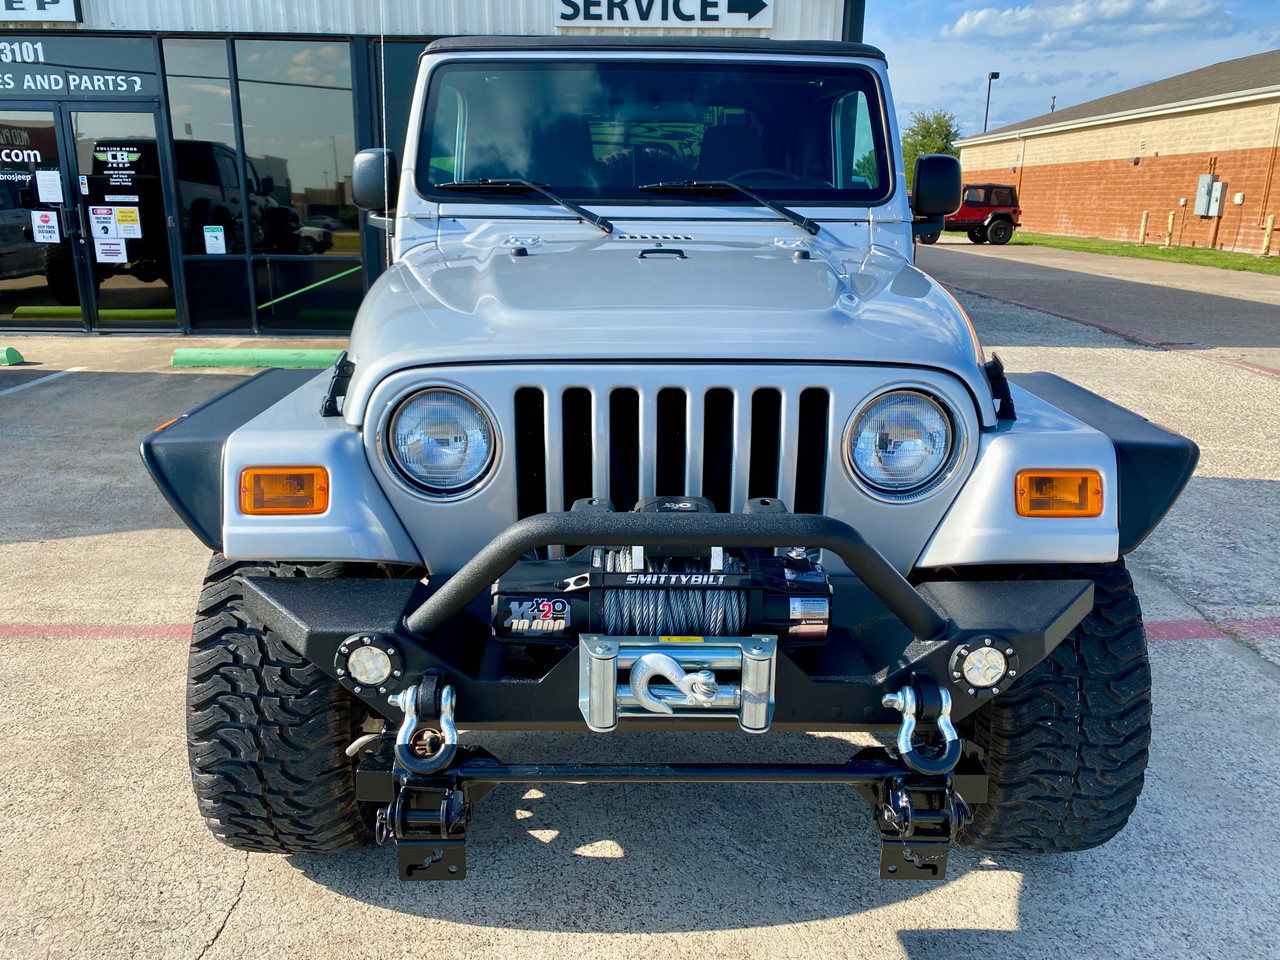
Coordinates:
column 749, row 7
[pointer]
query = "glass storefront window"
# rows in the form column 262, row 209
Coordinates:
column 204, row 142
column 299, row 135
column 37, row 270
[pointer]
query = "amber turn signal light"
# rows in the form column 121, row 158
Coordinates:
column 284, row 490
column 1059, row 493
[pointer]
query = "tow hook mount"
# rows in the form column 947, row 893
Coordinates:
column 425, row 784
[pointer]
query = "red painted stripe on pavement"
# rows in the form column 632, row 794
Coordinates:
column 1264, row 628
column 1183, row 630
column 94, row 631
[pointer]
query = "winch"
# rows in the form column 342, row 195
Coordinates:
column 619, row 590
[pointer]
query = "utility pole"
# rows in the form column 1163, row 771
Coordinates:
column 987, row 113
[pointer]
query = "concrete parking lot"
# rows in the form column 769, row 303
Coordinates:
column 102, row 853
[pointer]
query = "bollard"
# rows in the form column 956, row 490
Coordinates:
column 1142, row 233
column 1266, row 236
column 1168, row 238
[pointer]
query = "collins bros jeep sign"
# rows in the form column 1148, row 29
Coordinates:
column 756, row 14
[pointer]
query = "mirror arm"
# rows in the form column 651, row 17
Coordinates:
column 927, row 225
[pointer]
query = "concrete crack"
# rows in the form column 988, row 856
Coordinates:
column 235, row 902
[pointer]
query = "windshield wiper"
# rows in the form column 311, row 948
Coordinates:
column 511, row 183
column 694, row 186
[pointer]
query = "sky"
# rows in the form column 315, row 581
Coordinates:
column 940, row 51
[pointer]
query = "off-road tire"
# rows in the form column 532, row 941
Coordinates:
column 1067, row 745
column 929, row 237
column 266, row 729
column 999, row 232
column 978, row 235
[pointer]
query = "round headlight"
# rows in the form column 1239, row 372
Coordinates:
column 442, row 441
column 900, row 441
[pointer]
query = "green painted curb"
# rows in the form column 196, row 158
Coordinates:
column 254, row 357
column 10, row 357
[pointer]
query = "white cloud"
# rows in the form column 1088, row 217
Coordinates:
column 1085, row 24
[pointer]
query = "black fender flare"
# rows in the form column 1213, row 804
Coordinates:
column 1153, row 464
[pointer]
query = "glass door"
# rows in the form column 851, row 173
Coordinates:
column 39, row 279
column 122, row 216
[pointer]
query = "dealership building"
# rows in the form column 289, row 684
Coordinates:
column 181, row 165
column 1196, row 156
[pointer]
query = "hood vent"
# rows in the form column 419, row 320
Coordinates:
column 651, row 237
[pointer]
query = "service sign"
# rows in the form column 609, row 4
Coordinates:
column 670, row 14
column 40, row 11
column 79, row 68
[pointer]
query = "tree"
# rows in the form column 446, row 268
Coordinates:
column 930, row 131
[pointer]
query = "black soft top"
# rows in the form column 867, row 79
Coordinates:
column 760, row 45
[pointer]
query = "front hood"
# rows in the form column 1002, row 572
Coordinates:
column 682, row 300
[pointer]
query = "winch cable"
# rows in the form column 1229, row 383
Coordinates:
column 651, row 613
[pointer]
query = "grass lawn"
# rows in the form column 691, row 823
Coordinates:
column 1153, row 251
column 348, row 241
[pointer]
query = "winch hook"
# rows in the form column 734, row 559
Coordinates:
column 931, row 702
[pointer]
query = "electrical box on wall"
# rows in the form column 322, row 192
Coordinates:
column 1204, row 191
column 1217, row 196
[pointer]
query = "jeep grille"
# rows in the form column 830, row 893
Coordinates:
column 726, row 444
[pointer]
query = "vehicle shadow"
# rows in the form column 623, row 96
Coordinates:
column 652, row 858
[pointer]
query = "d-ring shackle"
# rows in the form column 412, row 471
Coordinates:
column 407, row 700
column 905, row 701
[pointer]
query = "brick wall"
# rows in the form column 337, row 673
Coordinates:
column 1085, row 183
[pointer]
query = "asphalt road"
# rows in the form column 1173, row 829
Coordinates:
column 1226, row 314
column 102, row 853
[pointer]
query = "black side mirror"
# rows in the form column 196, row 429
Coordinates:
column 375, row 180
column 266, row 186
column 936, row 189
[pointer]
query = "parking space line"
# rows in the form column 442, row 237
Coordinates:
column 36, row 383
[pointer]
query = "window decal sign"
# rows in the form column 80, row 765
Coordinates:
column 49, row 186
column 102, row 222
column 109, row 251
column 128, row 226
column 44, row 226
column 215, row 240
column 678, row 14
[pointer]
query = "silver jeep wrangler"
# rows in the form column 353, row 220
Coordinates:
column 652, row 425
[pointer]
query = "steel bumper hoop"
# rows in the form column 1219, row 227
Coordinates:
column 690, row 665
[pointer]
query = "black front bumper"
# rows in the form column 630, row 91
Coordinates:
column 883, row 632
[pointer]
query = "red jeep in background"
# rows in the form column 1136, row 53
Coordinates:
column 989, row 214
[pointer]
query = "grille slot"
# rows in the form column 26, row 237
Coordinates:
column 672, row 443
column 620, row 442
column 811, row 451
column 766, row 431
column 531, row 452
column 717, row 448
column 624, row 448
column 577, row 449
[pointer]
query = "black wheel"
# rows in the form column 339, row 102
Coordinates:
column 929, row 237
column 307, row 245
column 1067, row 745
column 266, row 729
column 999, row 232
column 978, row 235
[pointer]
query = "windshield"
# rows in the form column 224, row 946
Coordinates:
column 601, row 130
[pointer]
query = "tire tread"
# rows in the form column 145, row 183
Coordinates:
column 266, row 729
column 1067, row 745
